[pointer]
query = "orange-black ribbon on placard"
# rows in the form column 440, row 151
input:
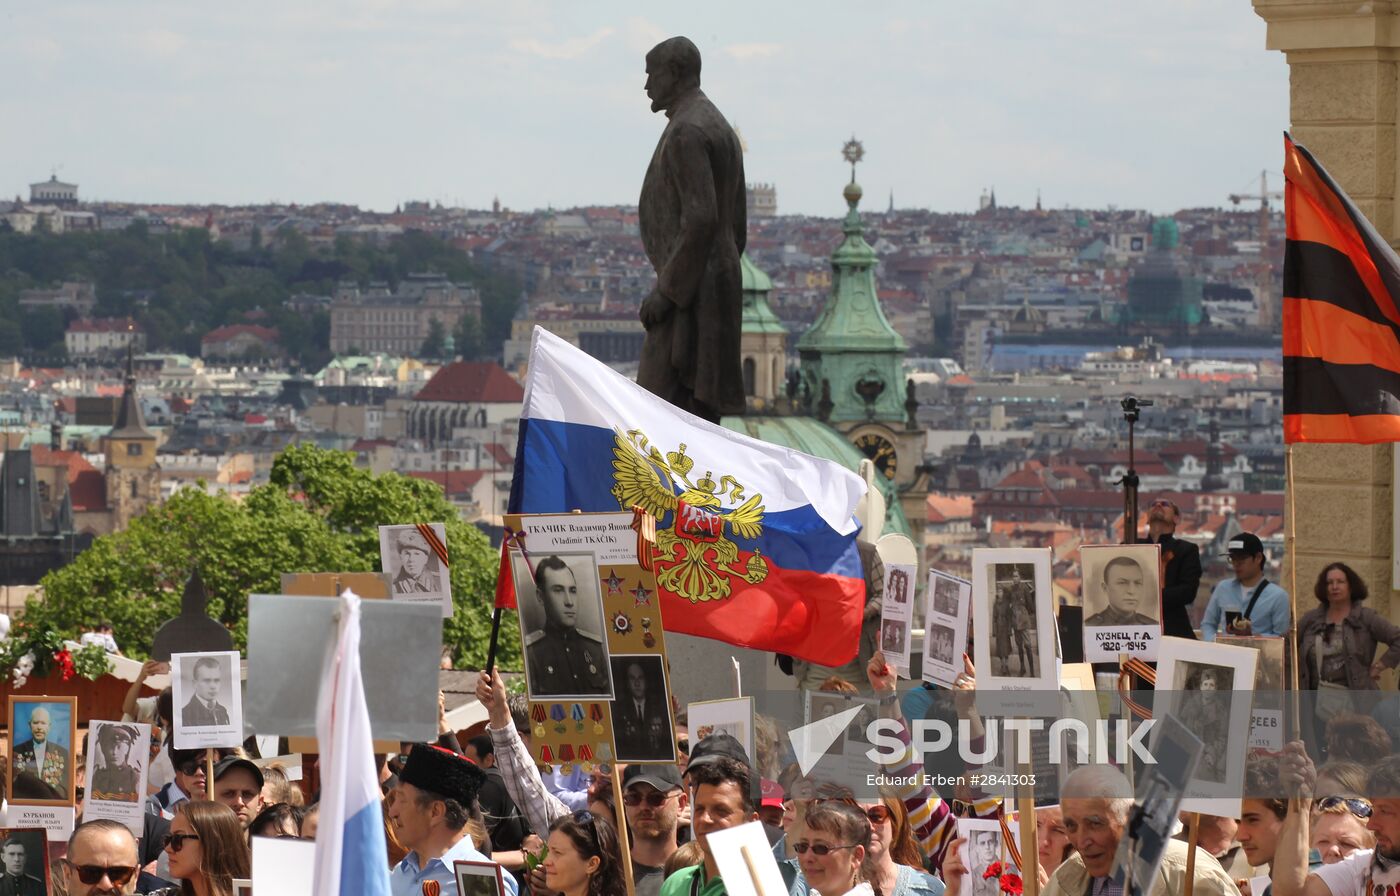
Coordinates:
column 431, row 537
column 645, row 526
column 1143, row 671
column 1010, row 842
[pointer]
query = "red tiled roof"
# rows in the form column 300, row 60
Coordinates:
column 88, row 491
column 943, row 508
column 44, row 456
column 223, row 334
column 104, row 325
column 500, row 454
column 452, row 482
column 472, row 381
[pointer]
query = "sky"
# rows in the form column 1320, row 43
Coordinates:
column 374, row 102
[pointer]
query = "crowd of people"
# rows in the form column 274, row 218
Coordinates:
column 1320, row 819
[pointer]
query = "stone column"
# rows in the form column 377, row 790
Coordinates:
column 1342, row 77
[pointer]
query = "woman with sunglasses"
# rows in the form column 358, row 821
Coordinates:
column 584, row 858
column 833, row 839
column 1339, row 828
column 207, row 850
column 893, row 864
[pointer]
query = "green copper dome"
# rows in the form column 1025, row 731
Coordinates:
column 852, row 345
column 758, row 316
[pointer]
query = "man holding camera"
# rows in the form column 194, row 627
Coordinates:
column 1248, row 604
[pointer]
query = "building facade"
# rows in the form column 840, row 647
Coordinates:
column 377, row 319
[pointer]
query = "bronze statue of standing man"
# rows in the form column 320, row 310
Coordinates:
column 693, row 222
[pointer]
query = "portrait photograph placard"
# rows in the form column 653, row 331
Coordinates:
column 643, row 730
column 1210, row 688
column 414, row 557
column 947, row 606
column 117, row 760
column 562, row 626
column 1014, row 619
column 897, row 615
column 207, row 698
column 1122, row 601
column 24, row 861
column 732, row 716
column 43, row 731
column 986, row 844
column 478, row 878
column 1267, row 718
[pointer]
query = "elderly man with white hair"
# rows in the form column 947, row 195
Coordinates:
column 1096, row 801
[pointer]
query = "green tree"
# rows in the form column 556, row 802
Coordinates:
column 317, row 513
column 467, row 336
column 436, row 342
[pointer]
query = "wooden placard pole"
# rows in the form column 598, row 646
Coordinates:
column 750, row 864
column 1290, row 549
column 1030, row 855
column 209, row 773
column 623, row 843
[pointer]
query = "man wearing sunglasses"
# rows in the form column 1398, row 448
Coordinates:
column 1365, row 870
column 101, row 861
column 1181, row 576
column 653, row 799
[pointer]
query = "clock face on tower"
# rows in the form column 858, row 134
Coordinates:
column 880, row 451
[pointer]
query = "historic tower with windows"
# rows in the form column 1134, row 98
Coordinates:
column 133, row 479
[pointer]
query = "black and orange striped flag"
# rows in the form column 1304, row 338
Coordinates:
column 1341, row 325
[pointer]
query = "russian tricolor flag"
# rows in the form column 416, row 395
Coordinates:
column 756, row 542
column 351, row 856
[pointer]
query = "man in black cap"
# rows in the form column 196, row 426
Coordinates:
column 118, row 779
column 724, row 793
column 717, row 747
column 430, row 808
column 653, row 798
column 238, row 784
column 1248, row 604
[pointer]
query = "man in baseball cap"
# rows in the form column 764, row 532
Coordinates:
column 1248, row 604
column 653, row 799
column 430, row 807
column 238, row 784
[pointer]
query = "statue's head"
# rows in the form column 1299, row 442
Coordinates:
column 673, row 68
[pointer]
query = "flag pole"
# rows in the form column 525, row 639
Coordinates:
column 495, row 635
column 1291, row 550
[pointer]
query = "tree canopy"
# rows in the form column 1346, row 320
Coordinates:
column 318, row 513
column 180, row 285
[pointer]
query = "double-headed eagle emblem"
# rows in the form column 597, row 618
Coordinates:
column 694, row 559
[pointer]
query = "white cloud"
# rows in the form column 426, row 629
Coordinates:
column 161, row 42
column 572, row 48
column 753, row 51
column 642, row 34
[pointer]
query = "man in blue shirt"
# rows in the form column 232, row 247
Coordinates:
column 1266, row 614
column 435, row 792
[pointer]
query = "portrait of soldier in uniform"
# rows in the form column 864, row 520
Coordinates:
column 418, row 568
column 561, row 626
column 118, row 777
column 1124, row 590
column 20, row 859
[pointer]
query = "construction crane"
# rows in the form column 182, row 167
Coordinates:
column 1264, row 270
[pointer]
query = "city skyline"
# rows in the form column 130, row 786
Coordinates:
column 383, row 102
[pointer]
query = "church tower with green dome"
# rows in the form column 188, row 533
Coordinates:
column 852, row 359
